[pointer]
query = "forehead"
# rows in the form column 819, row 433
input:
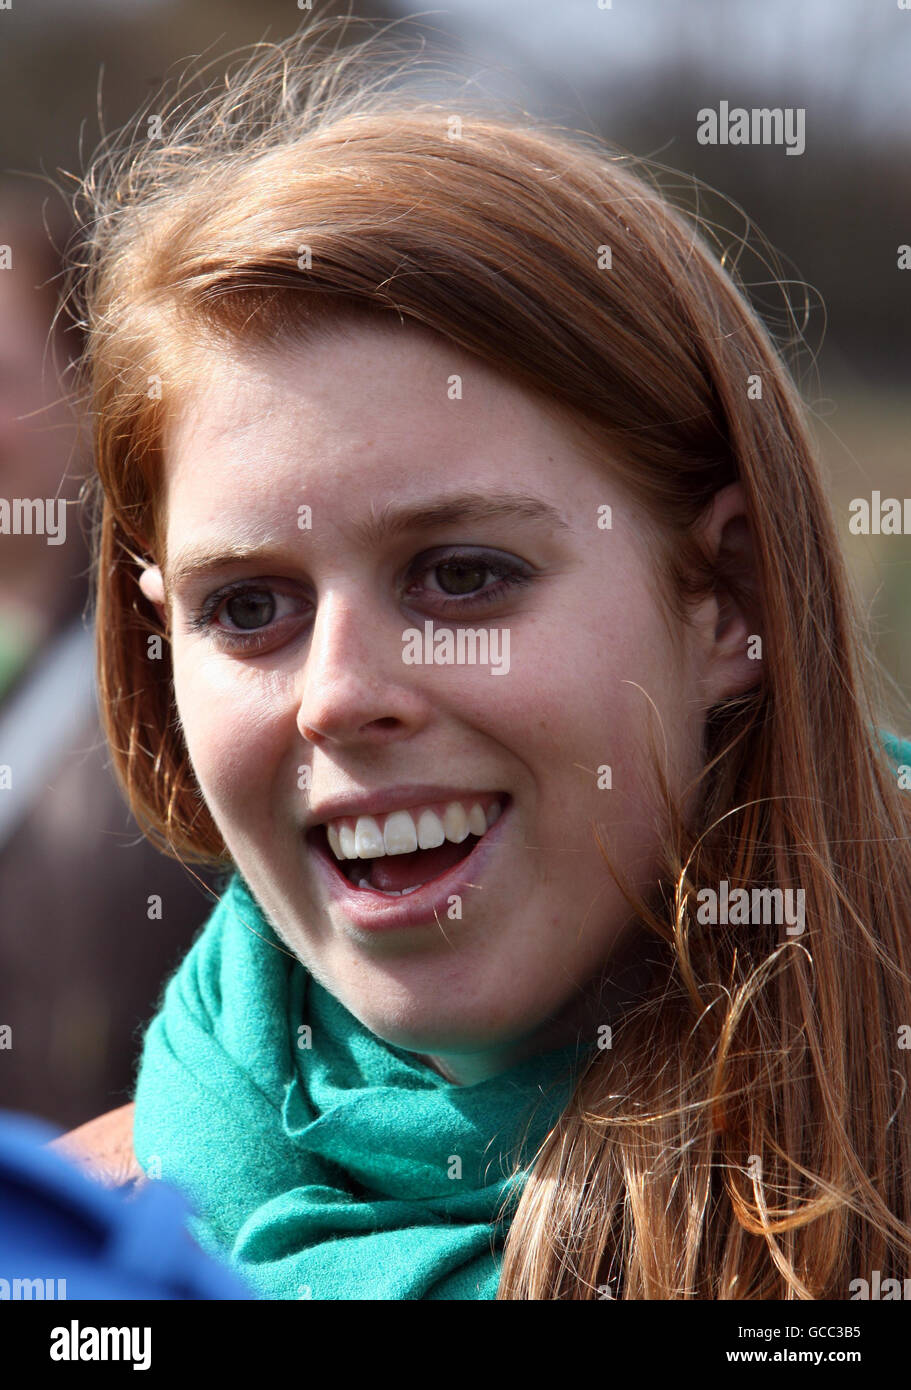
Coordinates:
column 359, row 425
column 387, row 392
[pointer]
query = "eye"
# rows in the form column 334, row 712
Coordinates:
column 462, row 578
column 251, row 610
column 248, row 616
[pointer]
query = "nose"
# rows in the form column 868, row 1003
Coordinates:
column 355, row 687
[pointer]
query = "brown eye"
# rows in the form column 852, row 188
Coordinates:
column 462, row 576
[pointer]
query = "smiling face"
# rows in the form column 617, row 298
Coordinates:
column 478, row 513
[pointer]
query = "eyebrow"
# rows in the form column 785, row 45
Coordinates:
column 384, row 524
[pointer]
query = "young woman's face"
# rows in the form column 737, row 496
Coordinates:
column 438, row 494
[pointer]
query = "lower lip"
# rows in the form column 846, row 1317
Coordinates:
column 372, row 911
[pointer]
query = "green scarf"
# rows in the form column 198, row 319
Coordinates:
column 346, row 1168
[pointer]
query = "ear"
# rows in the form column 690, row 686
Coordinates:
column 728, row 621
column 152, row 585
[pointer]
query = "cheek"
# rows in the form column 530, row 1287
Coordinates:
column 598, row 689
column 582, row 673
column 231, row 729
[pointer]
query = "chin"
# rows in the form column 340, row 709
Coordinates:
column 421, row 1026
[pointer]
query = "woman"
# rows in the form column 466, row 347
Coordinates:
column 467, row 589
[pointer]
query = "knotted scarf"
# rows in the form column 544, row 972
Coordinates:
column 322, row 1161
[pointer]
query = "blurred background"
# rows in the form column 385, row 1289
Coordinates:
column 816, row 238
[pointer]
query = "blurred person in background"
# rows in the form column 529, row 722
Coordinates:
column 82, row 952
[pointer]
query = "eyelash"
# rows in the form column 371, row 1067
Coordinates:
column 511, row 575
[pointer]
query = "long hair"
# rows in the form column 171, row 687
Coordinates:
column 746, row 1134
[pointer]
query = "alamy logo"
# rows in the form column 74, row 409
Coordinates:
column 739, row 907
column 465, row 647
column 761, row 125
column 75, row 1343
column 879, row 1288
column 881, row 516
column 39, row 516
column 32, row 1288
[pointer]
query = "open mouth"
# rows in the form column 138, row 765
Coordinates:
column 388, row 866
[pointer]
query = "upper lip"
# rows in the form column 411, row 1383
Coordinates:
column 378, row 803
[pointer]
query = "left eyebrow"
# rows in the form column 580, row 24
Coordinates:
column 384, row 524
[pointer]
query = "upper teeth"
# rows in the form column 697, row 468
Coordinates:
column 402, row 832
